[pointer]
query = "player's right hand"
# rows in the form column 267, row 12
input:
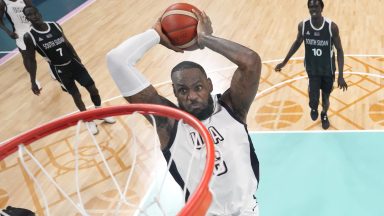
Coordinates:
column 13, row 35
column 279, row 67
column 204, row 26
column 164, row 40
column 35, row 88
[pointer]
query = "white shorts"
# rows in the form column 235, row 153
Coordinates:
column 20, row 40
column 250, row 209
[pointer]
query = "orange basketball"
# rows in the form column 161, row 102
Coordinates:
column 179, row 23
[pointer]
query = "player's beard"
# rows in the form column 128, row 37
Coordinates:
column 202, row 114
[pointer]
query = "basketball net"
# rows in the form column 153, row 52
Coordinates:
column 127, row 190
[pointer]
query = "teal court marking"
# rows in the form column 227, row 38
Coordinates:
column 310, row 173
column 320, row 173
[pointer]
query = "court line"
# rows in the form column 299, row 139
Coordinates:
column 62, row 20
column 316, row 131
column 3, row 52
column 303, row 77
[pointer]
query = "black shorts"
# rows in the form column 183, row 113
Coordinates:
column 67, row 75
column 323, row 83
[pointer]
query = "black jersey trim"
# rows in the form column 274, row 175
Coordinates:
column 229, row 110
column 254, row 160
column 252, row 152
column 172, row 136
column 174, row 172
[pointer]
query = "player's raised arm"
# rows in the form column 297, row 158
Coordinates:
column 245, row 81
column 133, row 85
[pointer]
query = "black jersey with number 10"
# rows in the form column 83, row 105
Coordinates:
column 319, row 56
column 52, row 45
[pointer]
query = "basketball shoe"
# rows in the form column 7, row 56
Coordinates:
column 324, row 121
column 109, row 120
column 92, row 127
column 314, row 114
column 13, row 211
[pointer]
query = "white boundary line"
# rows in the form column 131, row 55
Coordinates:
column 6, row 52
column 316, row 131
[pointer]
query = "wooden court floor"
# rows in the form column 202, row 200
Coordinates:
column 267, row 26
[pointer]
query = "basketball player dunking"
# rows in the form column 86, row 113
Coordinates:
column 48, row 39
column 319, row 35
column 237, row 167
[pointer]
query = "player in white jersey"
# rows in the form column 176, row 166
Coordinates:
column 319, row 35
column 14, row 12
column 237, row 168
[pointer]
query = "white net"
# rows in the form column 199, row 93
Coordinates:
column 120, row 171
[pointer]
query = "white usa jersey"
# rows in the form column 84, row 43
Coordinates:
column 14, row 12
column 236, row 170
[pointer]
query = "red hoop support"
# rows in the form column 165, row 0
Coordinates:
column 199, row 201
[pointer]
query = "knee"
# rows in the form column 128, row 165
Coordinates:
column 93, row 90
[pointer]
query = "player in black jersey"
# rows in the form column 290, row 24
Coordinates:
column 319, row 35
column 48, row 39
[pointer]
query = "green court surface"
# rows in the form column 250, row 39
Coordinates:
column 321, row 174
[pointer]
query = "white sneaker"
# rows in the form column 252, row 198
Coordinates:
column 109, row 120
column 38, row 84
column 92, row 127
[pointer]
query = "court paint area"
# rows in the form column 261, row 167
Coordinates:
column 313, row 173
column 320, row 173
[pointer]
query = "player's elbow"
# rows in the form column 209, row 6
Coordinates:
column 112, row 57
column 252, row 61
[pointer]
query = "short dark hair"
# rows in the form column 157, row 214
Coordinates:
column 321, row 3
column 30, row 6
column 188, row 65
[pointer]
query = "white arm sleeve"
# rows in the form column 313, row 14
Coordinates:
column 121, row 61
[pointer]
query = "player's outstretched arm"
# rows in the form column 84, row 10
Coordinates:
column 245, row 81
column 295, row 46
column 29, row 61
column 340, row 56
column 134, row 87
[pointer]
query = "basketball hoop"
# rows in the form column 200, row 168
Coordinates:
column 199, row 200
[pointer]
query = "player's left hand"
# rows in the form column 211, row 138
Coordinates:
column 35, row 88
column 342, row 84
column 13, row 35
column 204, row 27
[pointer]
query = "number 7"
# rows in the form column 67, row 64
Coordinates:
column 60, row 50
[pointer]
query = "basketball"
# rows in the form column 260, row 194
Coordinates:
column 179, row 24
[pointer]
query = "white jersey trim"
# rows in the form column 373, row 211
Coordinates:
column 43, row 32
column 330, row 26
column 320, row 28
column 303, row 27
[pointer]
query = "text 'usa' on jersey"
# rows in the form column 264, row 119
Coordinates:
column 52, row 45
column 319, row 56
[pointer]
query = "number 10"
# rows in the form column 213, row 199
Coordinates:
column 317, row 52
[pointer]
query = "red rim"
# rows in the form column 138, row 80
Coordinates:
column 199, row 201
